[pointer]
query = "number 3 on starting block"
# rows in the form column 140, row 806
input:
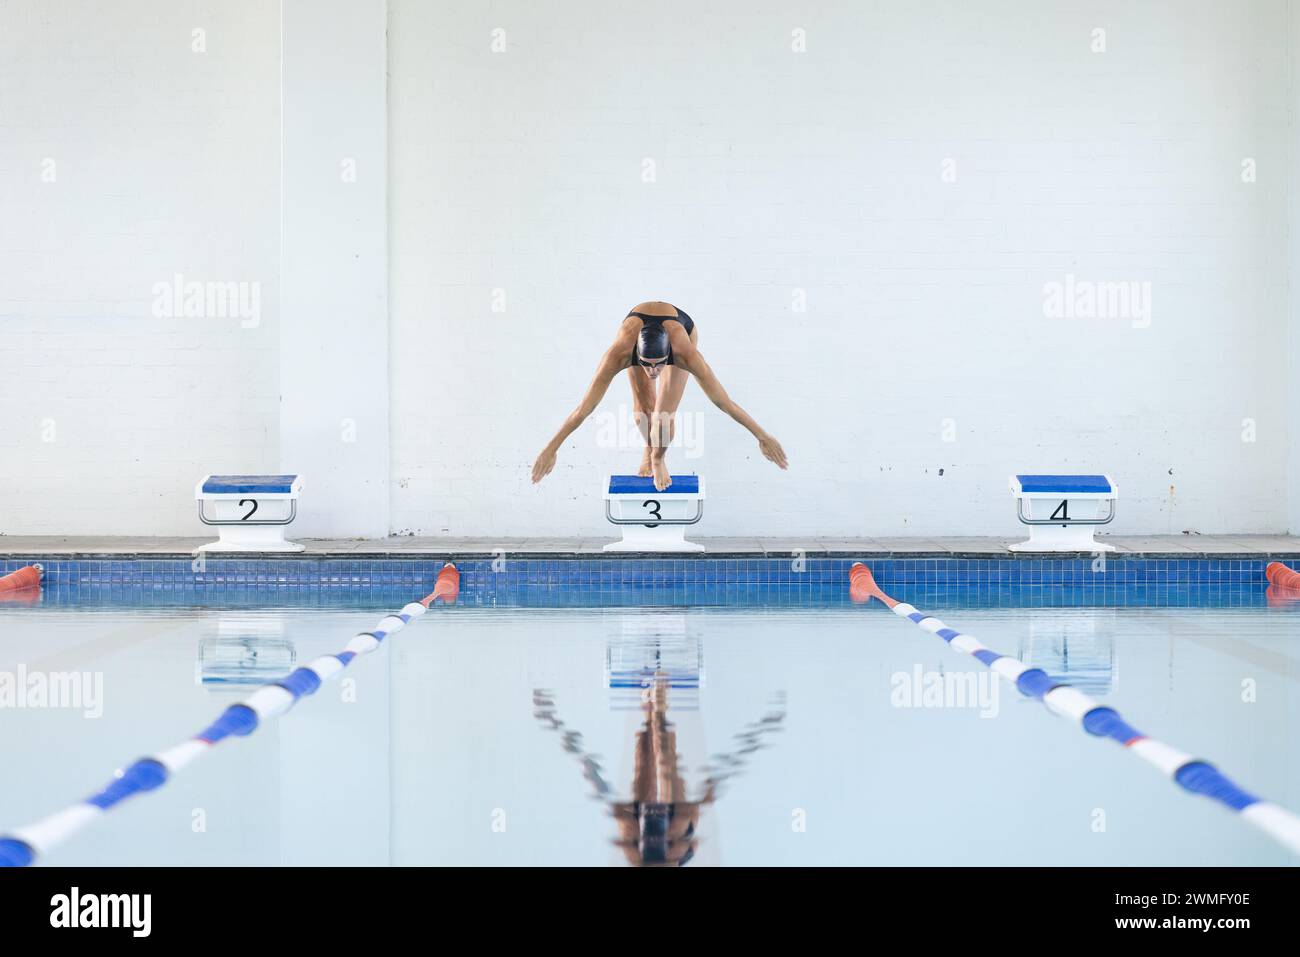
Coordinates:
column 654, row 521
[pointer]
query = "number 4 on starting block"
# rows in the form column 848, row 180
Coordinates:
column 654, row 521
column 1061, row 511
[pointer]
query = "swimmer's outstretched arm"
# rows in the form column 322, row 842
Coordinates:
column 610, row 365
column 689, row 357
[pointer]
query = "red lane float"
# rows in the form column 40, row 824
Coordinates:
column 1281, row 576
column 863, row 587
column 447, row 587
column 29, row 577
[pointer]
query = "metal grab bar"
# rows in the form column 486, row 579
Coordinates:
column 293, row 513
column 1020, row 514
column 699, row 514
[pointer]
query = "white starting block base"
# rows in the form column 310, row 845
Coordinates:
column 1061, row 538
column 654, row 521
column 251, row 540
column 250, row 512
column 1063, row 510
column 662, row 539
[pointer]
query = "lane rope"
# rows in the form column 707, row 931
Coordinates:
column 1190, row 773
column 21, row 847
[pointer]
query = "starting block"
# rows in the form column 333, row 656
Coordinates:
column 249, row 511
column 1060, row 511
column 654, row 521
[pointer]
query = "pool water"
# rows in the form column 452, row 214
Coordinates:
column 616, row 736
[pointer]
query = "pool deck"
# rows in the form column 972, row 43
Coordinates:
column 1185, row 546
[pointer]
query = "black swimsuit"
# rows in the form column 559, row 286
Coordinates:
column 686, row 321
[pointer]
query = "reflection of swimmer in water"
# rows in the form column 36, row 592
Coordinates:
column 659, row 825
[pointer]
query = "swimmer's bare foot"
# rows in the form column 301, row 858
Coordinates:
column 645, row 471
column 662, row 478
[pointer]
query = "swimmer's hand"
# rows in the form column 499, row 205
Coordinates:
column 545, row 462
column 772, row 450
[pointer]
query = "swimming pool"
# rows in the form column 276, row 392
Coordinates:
column 481, row 735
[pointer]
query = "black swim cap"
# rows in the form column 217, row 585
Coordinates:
column 654, row 833
column 653, row 343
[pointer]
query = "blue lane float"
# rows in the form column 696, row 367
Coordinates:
column 24, row 845
column 1190, row 773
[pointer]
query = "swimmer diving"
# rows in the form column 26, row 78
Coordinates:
column 658, row 345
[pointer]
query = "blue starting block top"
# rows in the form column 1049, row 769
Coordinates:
column 637, row 485
column 1065, row 484
column 249, row 484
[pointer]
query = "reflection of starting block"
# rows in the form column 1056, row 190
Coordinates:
column 1060, row 511
column 1068, row 648
column 653, row 648
column 250, row 511
column 654, row 521
column 246, row 651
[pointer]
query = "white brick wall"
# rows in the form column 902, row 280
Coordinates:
column 1292, row 32
column 821, row 171
column 776, row 171
column 165, row 161
column 334, row 266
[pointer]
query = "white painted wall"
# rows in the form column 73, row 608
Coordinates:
column 334, row 360
column 128, row 156
column 820, row 171
column 778, row 174
column 1293, row 278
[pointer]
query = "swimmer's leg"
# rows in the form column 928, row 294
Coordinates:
column 663, row 421
column 643, row 403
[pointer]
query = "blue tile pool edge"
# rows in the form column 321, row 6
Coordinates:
column 591, row 580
